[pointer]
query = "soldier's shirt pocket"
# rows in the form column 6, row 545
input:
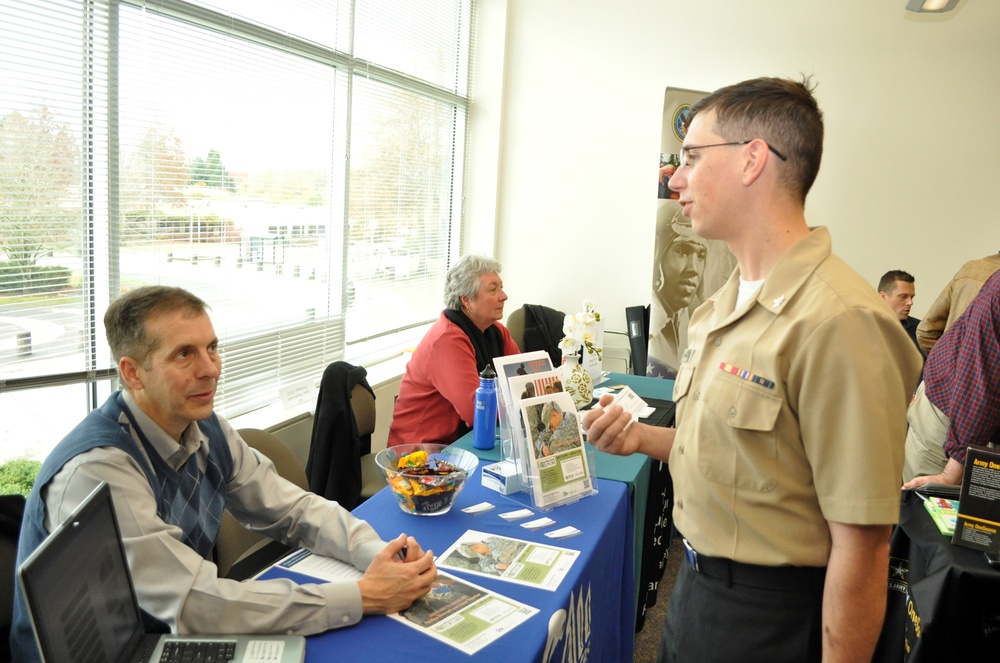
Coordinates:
column 743, row 449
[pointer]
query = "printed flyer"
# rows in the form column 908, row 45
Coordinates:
column 513, row 560
column 455, row 612
column 464, row 615
column 559, row 467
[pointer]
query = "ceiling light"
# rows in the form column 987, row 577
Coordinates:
column 931, row 6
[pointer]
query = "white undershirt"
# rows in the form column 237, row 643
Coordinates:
column 748, row 290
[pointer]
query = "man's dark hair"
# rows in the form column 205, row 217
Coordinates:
column 780, row 111
column 125, row 320
column 887, row 283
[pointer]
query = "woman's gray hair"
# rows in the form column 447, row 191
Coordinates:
column 462, row 279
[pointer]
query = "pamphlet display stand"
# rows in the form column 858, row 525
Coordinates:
column 552, row 462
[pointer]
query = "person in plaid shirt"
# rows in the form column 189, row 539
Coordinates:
column 958, row 402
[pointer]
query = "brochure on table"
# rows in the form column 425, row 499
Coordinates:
column 509, row 367
column 514, row 560
column 548, row 478
column 557, row 458
column 944, row 513
column 456, row 612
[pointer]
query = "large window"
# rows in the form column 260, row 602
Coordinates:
column 296, row 164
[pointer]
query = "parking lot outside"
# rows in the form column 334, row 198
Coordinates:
column 242, row 292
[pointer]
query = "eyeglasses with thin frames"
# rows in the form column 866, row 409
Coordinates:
column 688, row 148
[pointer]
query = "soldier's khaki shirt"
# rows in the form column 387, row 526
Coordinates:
column 791, row 412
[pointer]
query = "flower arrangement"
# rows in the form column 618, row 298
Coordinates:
column 579, row 331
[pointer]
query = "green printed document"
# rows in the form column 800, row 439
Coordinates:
column 513, row 560
column 943, row 512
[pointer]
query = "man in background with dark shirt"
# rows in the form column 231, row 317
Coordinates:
column 897, row 288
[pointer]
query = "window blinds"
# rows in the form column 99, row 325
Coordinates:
column 296, row 166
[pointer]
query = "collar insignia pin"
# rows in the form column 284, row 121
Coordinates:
column 778, row 301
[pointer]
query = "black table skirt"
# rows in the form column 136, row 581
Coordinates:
column 656, row 541
column 943, row 600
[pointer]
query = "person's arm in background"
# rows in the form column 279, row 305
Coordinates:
column 974, row 416
column 854, row 592
column 932, row 324
column 952, row 473
column 453, row 371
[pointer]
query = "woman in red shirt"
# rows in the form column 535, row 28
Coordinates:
column 437, row 394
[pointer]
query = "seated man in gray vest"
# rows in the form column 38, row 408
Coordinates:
column 173, row 466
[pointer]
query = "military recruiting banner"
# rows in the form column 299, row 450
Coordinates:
column 686, row 268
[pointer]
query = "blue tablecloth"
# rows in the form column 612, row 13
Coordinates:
column 633, row 471
column 650, row 499
column 589, row 617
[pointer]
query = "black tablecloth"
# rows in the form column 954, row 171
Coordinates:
column 943, row 600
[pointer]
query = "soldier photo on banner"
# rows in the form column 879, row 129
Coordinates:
column 686, row 268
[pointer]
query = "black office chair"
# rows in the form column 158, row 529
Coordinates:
column 363, row 408
column 340, row 465
column 542, row 330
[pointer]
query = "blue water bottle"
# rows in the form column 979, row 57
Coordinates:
column 484, row 426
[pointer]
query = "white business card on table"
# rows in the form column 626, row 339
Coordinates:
column 517, row 515
column 631, row 403
column 539, row 523
column 563, row 532
column 482, row 507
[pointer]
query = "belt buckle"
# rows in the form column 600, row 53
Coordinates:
column 692, row 556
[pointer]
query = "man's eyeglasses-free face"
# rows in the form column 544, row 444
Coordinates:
column 686, row 149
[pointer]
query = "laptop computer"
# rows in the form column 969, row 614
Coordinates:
column 83, row 607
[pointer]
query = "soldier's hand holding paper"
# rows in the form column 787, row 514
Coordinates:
column 631, row 403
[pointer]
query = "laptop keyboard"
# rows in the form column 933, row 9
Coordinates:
column 180, row 651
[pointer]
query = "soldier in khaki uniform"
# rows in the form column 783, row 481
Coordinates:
column 791, row 413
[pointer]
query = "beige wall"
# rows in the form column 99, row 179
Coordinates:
column 566, row 120
column 912, row 133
